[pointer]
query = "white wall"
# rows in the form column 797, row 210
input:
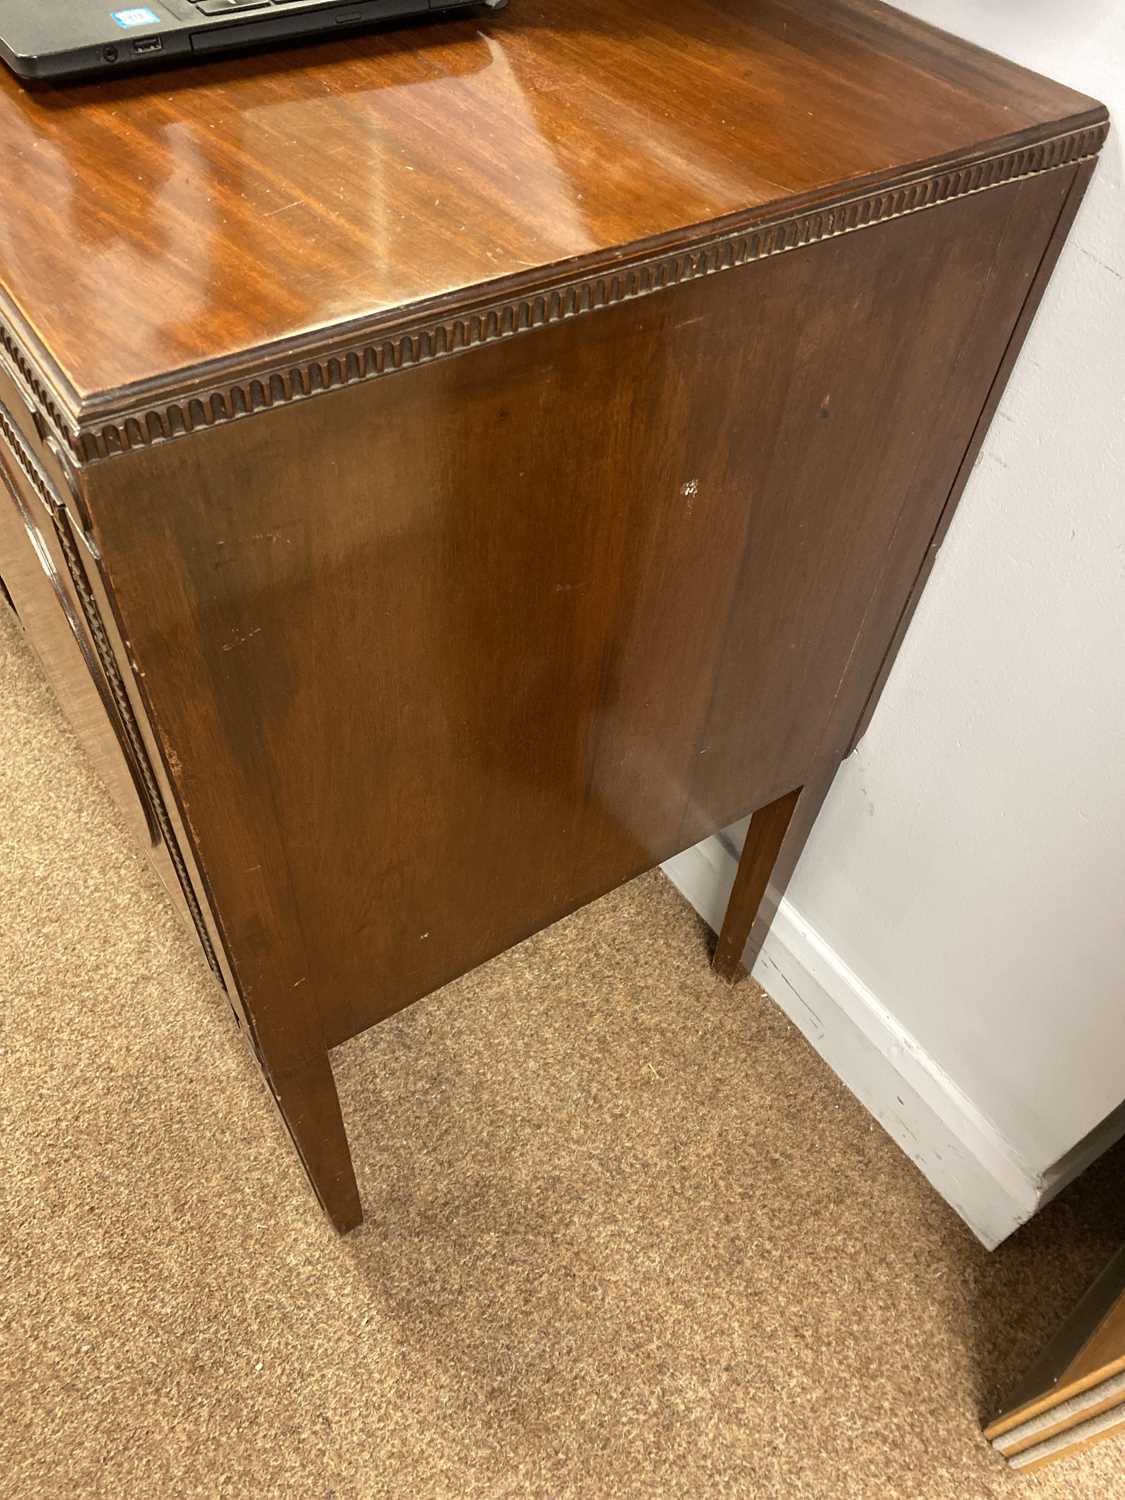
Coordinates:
column 966, row 878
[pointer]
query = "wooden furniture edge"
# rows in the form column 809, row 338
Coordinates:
column 134, row 749
column 1083, row 170
column 202, row 396
column 82, row 433
column 76, row 442
column 1044, row 1385
column 1069, row 1416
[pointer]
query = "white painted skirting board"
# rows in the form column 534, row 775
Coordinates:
column 962, row 1154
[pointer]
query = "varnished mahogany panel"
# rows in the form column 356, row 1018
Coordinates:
column 440, row 658
column 152, row 223
column 651, row 345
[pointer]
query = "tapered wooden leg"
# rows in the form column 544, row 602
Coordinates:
column 310, row 1106
column 811, row 800
column 764, row 839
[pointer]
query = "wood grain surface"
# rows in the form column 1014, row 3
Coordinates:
column 619, row 553
column 439, row 659
column 153, row 223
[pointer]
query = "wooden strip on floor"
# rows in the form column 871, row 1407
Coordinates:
column 1047, row 1424
column 1110, row 1424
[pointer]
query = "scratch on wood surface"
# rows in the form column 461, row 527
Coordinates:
column 240, row 640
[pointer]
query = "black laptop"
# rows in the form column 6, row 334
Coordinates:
column 63, row 38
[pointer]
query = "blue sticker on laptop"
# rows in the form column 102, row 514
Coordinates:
column 140, row 16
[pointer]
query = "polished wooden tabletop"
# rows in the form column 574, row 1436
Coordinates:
column 154, row 222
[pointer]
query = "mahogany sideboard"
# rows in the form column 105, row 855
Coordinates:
column 451, row 469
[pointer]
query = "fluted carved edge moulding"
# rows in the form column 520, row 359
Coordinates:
column 263, row 379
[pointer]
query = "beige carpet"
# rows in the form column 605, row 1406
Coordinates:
column 627, row 1235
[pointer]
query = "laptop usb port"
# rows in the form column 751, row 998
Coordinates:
column 149, row 44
